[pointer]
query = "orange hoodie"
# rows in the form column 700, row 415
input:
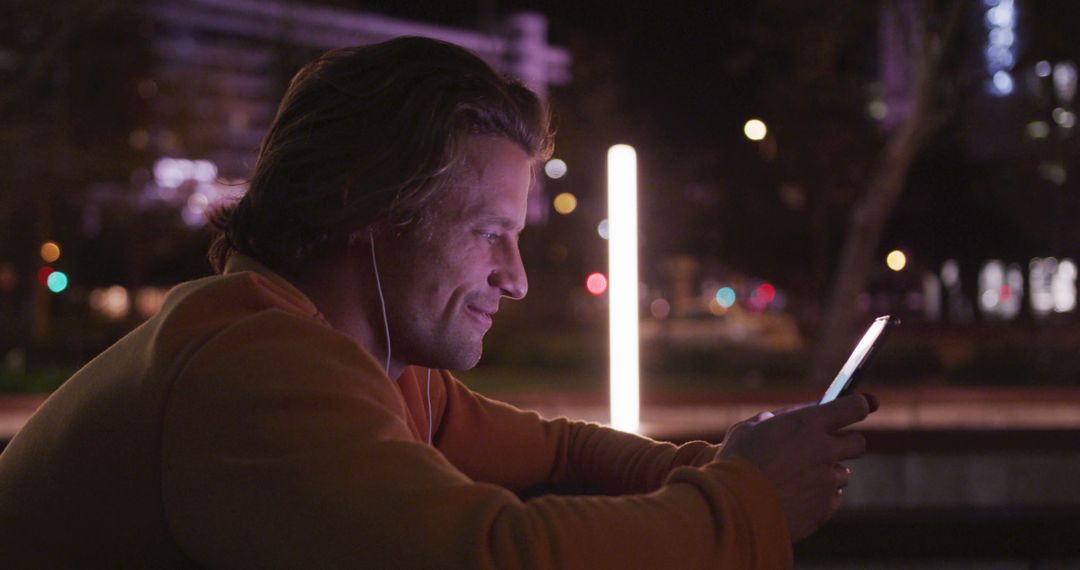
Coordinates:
column 236, row 428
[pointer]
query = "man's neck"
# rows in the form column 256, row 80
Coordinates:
column 339, row 292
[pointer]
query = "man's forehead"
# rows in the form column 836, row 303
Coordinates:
column 491, row 182
column 482, row 202
column 478, row 155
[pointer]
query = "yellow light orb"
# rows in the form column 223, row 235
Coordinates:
column 716, row 308
column 50, row 251
column 896, row 260
column 565, row 203
column 755, row 129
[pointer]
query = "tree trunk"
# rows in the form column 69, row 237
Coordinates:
column 872, row 211
column 868, row 219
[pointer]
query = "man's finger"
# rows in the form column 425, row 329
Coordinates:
column 794, row 408
column 849, row 445
column 843, row 475
column 845, row 411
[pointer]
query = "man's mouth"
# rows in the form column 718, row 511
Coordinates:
column 484, row 315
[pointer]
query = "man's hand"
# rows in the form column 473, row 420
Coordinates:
column 800, row 449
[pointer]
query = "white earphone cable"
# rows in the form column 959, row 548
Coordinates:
column 429, row 418
column 382, row 301
column 386, row 327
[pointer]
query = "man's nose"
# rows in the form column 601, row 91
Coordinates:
column 509, row 277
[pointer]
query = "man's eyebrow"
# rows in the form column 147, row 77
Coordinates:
column 498, row 220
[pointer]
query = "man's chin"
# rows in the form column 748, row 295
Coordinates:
column 463, row 358
column 472, row 360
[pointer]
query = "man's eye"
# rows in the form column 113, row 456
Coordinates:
column 489, row 236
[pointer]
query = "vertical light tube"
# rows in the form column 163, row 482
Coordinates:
column 623, row 287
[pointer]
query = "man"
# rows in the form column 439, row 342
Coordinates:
column 296, row 410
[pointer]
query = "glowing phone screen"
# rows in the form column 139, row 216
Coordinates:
column 858, row 356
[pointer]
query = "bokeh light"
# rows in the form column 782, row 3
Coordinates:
column 50, row 251
column 1064, row 117
column 1037, row 129
column 149, row 301
column 57, row 281
column 755, row 129
column 113, row 303
column 1053, row 285
column 169, row 172
column 1063, row 287
column 565, row 203
column 660, row 308
column 596, row 283
column 43, row 275
column 766, row 292
column 878, row 110
column 9, row 277
column 725, row 296
column 602, row 228
column 896, row 260
column 1003, row 83
column 950, row 273
column 555, row 168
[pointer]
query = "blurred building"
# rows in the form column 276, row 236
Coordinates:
column 220, row 66
column 1012, row 108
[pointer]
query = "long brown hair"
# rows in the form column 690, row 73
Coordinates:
column 369, row 135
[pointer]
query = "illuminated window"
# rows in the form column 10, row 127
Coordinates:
column 1001, row 290
column 1053, row 285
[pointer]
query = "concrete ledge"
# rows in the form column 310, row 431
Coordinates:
column 1028, row 537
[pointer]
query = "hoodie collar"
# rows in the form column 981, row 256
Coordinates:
column 286, row 291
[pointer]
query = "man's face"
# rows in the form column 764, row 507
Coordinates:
column 443, row 282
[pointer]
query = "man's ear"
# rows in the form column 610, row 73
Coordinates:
column 363, row 236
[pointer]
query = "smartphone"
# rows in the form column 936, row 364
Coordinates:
column 844, row 383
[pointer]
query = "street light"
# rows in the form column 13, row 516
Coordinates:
column 623, row 288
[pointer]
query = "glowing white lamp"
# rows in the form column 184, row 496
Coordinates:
column 623, row 287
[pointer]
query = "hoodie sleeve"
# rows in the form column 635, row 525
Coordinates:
column 284, row 445
column 474, row 429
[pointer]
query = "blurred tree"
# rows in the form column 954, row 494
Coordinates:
column 827, row 156
column 928, row 33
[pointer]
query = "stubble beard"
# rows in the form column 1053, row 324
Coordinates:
column 443, row 347
column 459, row 352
